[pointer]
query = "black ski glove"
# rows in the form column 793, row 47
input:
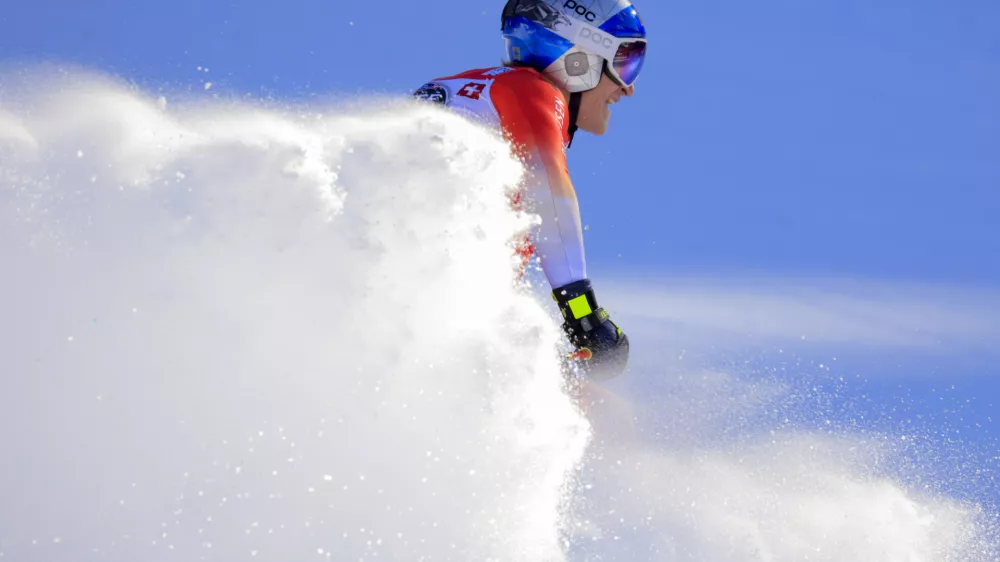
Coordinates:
column 602, row 347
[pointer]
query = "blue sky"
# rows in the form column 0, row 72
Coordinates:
column 828, row 139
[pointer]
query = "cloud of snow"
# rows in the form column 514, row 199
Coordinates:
column 243, row 333
column 236, row 334
column 704, row 466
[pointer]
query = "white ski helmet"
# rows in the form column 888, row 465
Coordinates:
column 573, row 42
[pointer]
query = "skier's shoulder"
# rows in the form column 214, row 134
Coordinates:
column 527, row 102
column 486, row 74
column 520, row 98
column 521, row 81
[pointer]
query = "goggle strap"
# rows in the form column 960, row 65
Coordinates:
column 592, row 38
column 613, row 75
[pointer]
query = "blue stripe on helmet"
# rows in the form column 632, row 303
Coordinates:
column 625, row 23
column 538, row 47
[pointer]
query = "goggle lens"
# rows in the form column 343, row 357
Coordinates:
column 628, row 61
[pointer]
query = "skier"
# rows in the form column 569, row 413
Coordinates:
column 568, row 61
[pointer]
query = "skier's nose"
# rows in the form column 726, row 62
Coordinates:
column 628, row 91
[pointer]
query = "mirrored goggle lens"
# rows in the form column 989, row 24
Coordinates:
column 629, row 60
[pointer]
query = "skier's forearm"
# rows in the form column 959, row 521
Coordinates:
column 559, row 240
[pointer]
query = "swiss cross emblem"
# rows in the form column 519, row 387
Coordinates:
column 472, row 90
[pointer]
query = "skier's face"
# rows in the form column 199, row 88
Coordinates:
column 595, row 105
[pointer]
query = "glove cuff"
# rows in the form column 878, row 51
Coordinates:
column 579, row 306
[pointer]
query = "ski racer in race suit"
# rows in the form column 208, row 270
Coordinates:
column 568, row 62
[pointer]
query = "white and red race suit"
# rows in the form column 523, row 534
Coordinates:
column 533, row 116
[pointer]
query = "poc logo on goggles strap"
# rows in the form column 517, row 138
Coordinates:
column 581, row 10
column 587, row 35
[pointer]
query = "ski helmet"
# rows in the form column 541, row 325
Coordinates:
column 573, row 42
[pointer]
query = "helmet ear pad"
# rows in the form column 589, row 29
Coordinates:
column 577, row 64
column 577, row 70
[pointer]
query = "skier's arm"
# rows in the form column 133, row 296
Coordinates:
column 531, row 121
column 530, row 118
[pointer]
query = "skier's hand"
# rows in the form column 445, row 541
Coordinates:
column 602, row 347
column 603, row 352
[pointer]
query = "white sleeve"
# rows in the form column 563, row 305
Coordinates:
column 558, row 240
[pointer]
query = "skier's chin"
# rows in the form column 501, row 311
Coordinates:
column 596, row 126
column 598, row 129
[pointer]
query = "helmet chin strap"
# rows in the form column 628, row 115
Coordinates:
column 574, row 113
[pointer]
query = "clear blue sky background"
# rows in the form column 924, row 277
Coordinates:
column 842, row 138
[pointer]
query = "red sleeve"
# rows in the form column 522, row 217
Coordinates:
column 533, row 116
column 534, row 119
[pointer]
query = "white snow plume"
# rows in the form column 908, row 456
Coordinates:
column 768, row 460
column 232, row 333
column 775, row 496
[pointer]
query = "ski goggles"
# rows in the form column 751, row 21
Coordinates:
column 628, row 61
column 625, row 55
